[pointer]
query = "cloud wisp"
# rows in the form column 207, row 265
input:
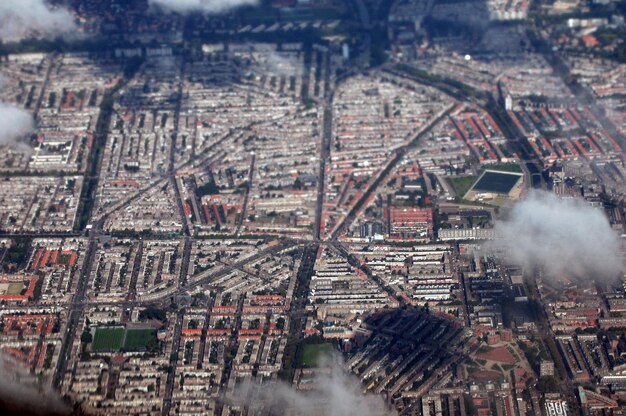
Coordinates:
column 15, row 124
column 203, row 6
column 334, row 393
column 21, row 19
column 18, row 396
column 566, row 237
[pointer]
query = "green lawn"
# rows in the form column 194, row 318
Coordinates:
column 108, row 339
column 506, row 167
column 137, row 339
column 15, row 288
column 462, row 184
column 311, row 354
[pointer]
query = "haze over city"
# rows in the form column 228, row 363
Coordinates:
column 312, row 207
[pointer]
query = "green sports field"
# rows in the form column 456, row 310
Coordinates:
column 462, row 184
column 137, row 339
column 108, row 339
column 118, row 338
column 312, row 353
column 15, row 288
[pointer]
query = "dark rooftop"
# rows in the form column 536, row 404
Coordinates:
column 498, row 182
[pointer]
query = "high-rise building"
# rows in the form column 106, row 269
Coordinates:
column 546, row 368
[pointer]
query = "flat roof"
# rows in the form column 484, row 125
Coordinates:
column 496, row 182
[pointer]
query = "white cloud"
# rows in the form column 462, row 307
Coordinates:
column 25, row 18
column 567, row 237
column 20, row 395
column 15, row 123
column 336, row 393
column 204, row 6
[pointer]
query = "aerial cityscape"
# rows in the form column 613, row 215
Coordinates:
column 313, row 207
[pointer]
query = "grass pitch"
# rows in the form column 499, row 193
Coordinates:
column 312, row 353
column 15, row 289
column 108, row 339
column 138, row 339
